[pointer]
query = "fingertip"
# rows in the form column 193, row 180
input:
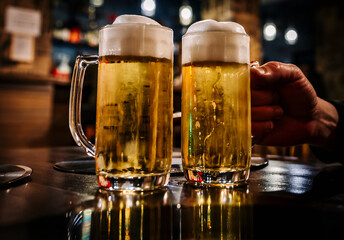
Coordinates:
column 257, row 77
column 273, row 65
column 261, row 70
column 259, row 129
column 278, row 112
column 269, row 126
column 258, row 70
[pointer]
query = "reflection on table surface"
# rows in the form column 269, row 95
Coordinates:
column 286, row 199
column 212, row 213
column 200, row 214
column 124, row 215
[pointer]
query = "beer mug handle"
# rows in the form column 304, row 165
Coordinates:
column 81, row 63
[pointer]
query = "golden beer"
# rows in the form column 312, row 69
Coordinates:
column 216, row 122
column 134, row 116
column 216, row 104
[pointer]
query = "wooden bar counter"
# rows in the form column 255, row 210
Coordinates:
column 284, row 200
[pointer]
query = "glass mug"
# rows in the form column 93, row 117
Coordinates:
column 133, row 147
column 216, row 104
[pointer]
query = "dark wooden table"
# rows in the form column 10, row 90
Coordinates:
column 285, row 200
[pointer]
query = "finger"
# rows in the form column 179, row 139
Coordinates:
column 259, row 129
column 266, row 113
column 259, row 98
column 274, row 72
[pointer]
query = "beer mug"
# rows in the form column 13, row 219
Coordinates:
column 216, row 104
column 133, row 146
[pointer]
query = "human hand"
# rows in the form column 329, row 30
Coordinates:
column 285, row 108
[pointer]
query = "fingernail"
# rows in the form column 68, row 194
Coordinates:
column 278, row 112
column 261, row 70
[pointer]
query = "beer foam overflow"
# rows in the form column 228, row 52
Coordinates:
column 134, row 31
column 204, row 41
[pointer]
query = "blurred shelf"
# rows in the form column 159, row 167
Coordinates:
column 32, row 79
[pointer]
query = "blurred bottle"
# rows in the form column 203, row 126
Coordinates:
column 63, row 70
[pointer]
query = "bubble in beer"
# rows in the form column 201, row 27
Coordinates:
column 202, row 42
column 127, row 33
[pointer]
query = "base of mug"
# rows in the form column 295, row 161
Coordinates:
column 216, row 178
column 137, row 183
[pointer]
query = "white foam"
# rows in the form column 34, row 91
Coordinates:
column 134, row 35
column 209, row 40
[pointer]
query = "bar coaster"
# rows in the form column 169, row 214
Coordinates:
column 12, row 174
column 80, row 166
column 87, row 166
column 258, row 162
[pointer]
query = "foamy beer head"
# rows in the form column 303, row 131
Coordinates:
column 133, row 35
column 210, row 40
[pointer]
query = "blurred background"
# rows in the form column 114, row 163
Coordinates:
column 40, row 39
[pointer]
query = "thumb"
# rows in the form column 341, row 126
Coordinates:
column 273, row 73
column 260, row 77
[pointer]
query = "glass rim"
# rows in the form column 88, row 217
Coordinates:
column 119, row 25
column 216, row 32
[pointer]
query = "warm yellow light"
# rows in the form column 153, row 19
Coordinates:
column 185, row 15
column 291, row 36
column 148, row 7
column 269, row 31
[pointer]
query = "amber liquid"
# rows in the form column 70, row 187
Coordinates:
column 134, row 116
column 216, row 117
